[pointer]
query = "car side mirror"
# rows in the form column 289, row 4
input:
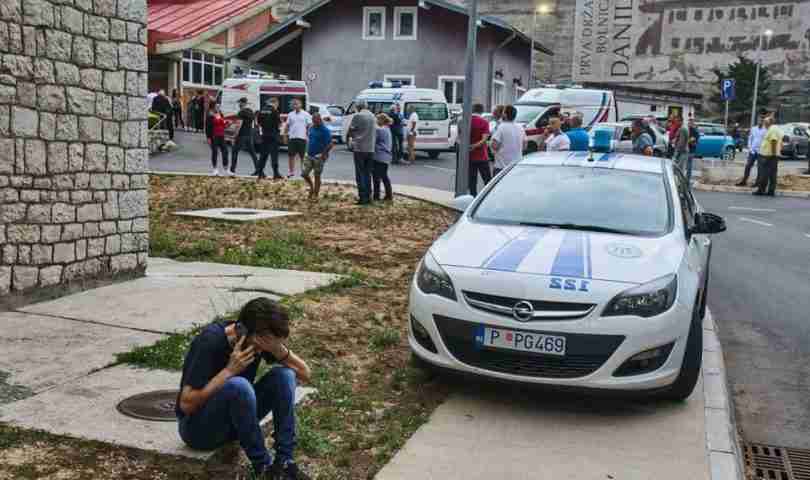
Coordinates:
column 462, row 203
column 708, row 223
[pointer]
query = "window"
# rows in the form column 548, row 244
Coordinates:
column 403, row 79
column 374, row 106
column 373, row 23
column 202, row 69
column 686, row 200
column 284, row 101
column 631, row 202
column 453, row 88
column 498, row 89
column 430, row 111
column 405, row 23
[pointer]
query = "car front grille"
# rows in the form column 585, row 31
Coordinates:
column 585, row 353
column 543, row 310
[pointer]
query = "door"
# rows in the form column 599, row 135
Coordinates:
column 698, row 245
column 433, row 128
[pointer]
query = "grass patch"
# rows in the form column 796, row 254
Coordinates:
column 165, row 354
column 385, row 338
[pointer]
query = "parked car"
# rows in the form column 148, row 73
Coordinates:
column 714, row 142
column 796, row 142
column 571, row 269
column 622, row 135
column 332, row 116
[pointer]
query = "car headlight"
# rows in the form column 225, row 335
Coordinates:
column 432, row 279
column 646, row 301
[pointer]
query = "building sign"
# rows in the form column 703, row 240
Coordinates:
column 683, row 40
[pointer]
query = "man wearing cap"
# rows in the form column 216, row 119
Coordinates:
column 244, row 139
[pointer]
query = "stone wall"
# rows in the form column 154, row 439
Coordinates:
column 73, row 143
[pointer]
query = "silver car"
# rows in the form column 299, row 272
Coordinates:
column 332, row 116
column 624, row 141
column 796, row 142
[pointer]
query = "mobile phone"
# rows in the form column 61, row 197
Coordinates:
column 241, row 331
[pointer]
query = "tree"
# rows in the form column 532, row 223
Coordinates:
column 743, row 72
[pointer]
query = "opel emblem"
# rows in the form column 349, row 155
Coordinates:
column 523, row 311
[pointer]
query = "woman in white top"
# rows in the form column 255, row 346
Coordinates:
column 413, row 120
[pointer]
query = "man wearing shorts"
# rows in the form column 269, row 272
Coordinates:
column 320, row 144
column 298, row 121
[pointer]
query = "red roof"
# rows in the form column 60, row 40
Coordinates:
column 177, row 19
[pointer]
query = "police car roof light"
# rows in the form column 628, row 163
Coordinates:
column 385, row 84
column 602, row 140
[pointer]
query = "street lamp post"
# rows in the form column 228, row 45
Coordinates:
column 768, row 34
column 542, row 9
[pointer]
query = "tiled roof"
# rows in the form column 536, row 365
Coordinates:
column 178, row 19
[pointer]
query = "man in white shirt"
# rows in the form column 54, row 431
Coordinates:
column 413, row 120
column 298, row 122
column 754, row 143
column 509, row 140
column 557, row 140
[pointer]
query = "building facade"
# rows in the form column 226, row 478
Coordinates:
column 339, row 46
column 73, row 145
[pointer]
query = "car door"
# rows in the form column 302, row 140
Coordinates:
column 698, row 245
column 802, row 141
column 625, row 139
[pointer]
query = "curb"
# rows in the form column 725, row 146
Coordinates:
column 704, row 187
column 723, row 445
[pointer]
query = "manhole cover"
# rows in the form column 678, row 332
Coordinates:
column 157, row 406
column 239, row 212
column 777, row 463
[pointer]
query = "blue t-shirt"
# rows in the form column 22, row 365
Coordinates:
column 319, row 138
column 579, row 139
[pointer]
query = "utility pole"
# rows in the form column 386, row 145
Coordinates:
column 768, row 34
column 463, row 154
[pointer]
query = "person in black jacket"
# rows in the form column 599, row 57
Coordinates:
column 163, row 105
column 244, row 139
column 396, row 133
column 177, row 108
column 269, row 120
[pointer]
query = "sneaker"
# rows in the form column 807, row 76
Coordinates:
column 231, row 173
column 287, row 471
column 741, row 184
column 215, row 173
column 290, row 175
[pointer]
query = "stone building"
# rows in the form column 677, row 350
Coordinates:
column 73, row 138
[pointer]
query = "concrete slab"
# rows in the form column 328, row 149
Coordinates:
column 491, row 434
column 42, row 352
column 175, row 296
column 87, row 409
column 718, row 435
column 724, row 466
column 236, row 214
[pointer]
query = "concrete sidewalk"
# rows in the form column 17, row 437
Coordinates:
column 56, row 370
column 485, row 432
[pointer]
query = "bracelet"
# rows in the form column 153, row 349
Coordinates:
column 286, row 356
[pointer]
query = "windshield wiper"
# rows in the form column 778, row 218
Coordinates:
column 575, row 226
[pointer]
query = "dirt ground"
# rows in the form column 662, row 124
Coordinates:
column 370, row 398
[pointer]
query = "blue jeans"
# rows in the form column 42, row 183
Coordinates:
column 234, row 412
column 689, row 159
column 363, row 164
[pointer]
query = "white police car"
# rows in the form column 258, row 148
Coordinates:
column 571, row 269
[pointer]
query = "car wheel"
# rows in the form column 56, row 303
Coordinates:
column 531, row 148
column 690, row 368
column 728, row 155
column 433, row 154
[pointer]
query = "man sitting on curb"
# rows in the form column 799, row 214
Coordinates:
column 220, row 401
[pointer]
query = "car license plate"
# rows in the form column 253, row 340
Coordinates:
column 426, row 131
column 489, row 337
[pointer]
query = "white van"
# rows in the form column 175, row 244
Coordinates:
column 537, row 106
column 258, row 90
column 433, row 134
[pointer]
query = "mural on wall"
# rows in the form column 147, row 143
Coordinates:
column 683, row 40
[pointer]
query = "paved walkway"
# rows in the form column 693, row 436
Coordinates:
column 55, row 371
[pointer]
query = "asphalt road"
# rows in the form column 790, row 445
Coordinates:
column 759, row 288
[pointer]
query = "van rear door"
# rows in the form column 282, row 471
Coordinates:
column 433, row 129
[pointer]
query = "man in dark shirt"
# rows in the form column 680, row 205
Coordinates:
column 319, row 146
column 163, row 105
column 479, row 157
column 396, row 133
column 244, row 139
column 270, row 121
column 221, row 401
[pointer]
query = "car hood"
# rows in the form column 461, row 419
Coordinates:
column 558, row 253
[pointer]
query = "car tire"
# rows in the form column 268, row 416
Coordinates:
column 531, row 148
column 687, row 378
column 433, row 154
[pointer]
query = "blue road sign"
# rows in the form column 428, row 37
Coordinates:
column 728, row 90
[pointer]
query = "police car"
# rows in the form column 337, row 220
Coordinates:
column 574, row 269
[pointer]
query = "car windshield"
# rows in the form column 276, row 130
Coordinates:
column 431, row 111
column 527, row 113
column 597, row 199
column 335, row 111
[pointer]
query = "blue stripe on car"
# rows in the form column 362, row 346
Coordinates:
column 513, row 254
column 570, row 260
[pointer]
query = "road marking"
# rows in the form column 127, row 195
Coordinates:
column 758, row 222
column 438, row 168
column 749, row 209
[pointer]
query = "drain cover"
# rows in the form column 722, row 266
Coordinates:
column 777, row 463
column 240, row 212
column 157, row 406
